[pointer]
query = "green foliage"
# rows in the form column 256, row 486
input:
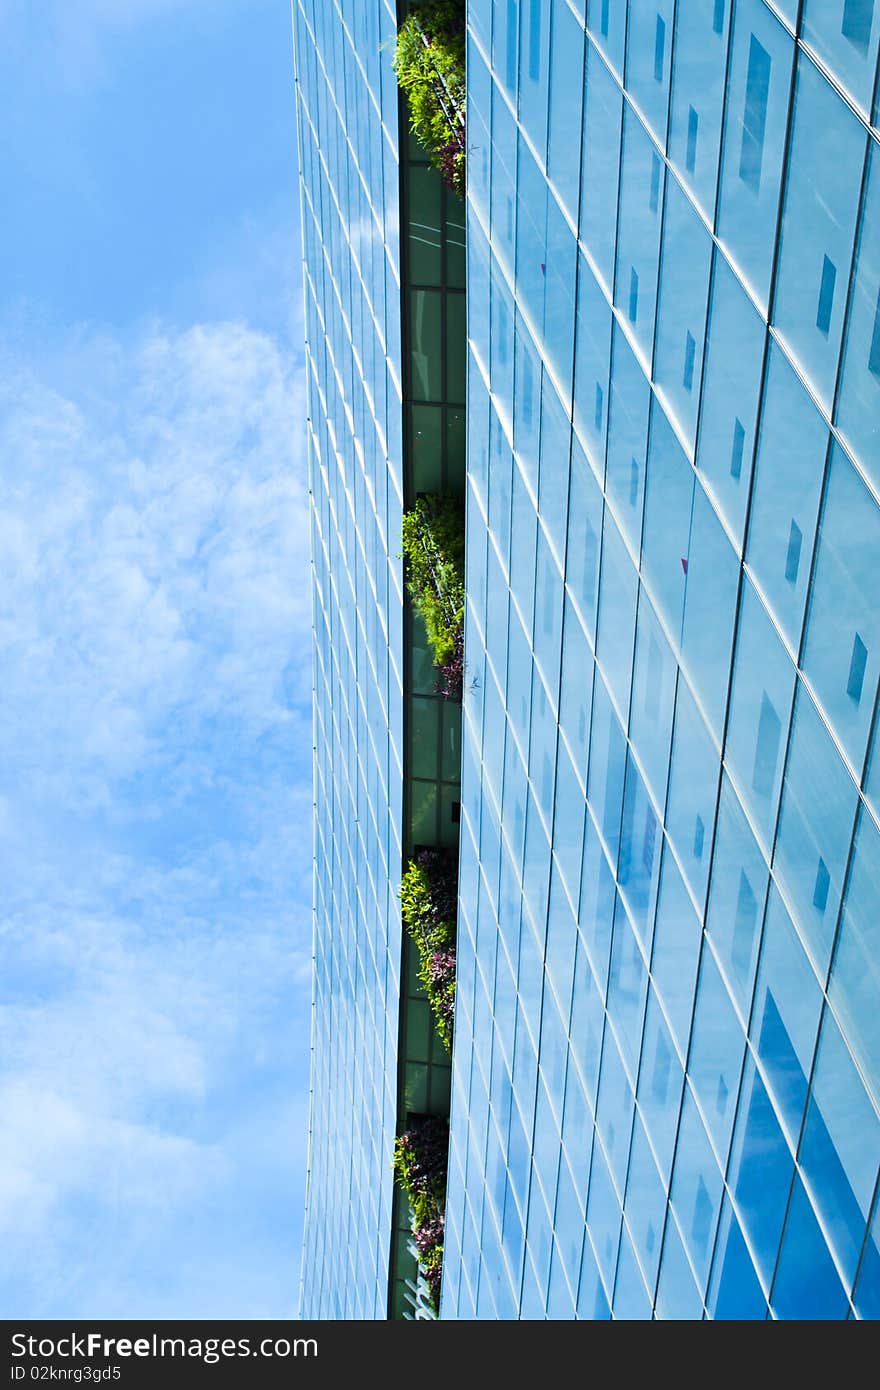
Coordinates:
column 433, row 545
column 429, row 896
column 421, row 1157
column 430, row 66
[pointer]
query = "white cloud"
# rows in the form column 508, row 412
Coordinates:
column 152, row 562
column 155, row 807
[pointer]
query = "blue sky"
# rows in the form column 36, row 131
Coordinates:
column 155, row 726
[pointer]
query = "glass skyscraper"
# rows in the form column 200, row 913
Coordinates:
column 666, row 1070
column 348, row 138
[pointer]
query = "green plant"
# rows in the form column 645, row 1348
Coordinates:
column 421, row 1156
column 433, row 546
column 430, row 64
column 429, row 899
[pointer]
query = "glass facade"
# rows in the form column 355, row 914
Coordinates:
column 666, row 1075
column 347, row 107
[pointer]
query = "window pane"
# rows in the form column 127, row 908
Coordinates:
column 760, row 711
column 693, row 787
column 842, row 648
column 785, row 1020
column 815, row 825
column 603, row 114
column 859, row 391
column 638, row 241
column 681, row 317
column 854, row 988
column 818, row 226
column 735, row 340
column 736, row 896
column 845, row 34
column 754, row 140
column 785, row 504
column 701, row 37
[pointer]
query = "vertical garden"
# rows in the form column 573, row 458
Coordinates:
column 430, row 66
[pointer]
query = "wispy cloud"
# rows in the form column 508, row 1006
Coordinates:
column 155, row 842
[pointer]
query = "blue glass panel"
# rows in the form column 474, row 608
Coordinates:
column 627, row 988
column 538, row 1248
column 736, row 897
column 560, row 1300
column 585, row 1028
column 854, row 988
column 785, row 1020
column 568, row 823
column 668, row 506
column 584, row 538
column 531, row 236
column 603, row 1218
column 860, row 376
column 534, row 45
column 504, row 182
column 526, row 404
column 548, row 616
column 814, row 830
column 696, row 1188
column 735, row 1293
column 660, row 1086
column 731, row 383
column 566, row 105
column 638, row 866
column 546, row 1148
column 843, row 607
column 504, row 42
column 788, row 484
column 523, row 539
column 693, row 787
column 840, row 1147
column 560, row 268
column 807, row 1285
column 592, row 358
column 607, row 24
column 576, row 691
column 603, row 114
column 818, row 227
column 577, row 1130
column 698, row 77
column 677, row 1294
column 627, row 438
column 638, row 240
column 681, row 316
column 618, row 592
column 615, row 1110
column 596, row 911
column 760, row 710
column 716, row 1054
column 648, row 48
column 645, row 1203
column 755, row 114
column 499, row 481
column 501, row 340
column 676, row 952
column 761, row 1169
column 754, row 140
column 845, row 34
column 631, row 1298
column 536, row 871
column 867, row 1290
column 712, row 582
column 607, row 764
column 653, row 699
column 592, row 1302
column 561, row 941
